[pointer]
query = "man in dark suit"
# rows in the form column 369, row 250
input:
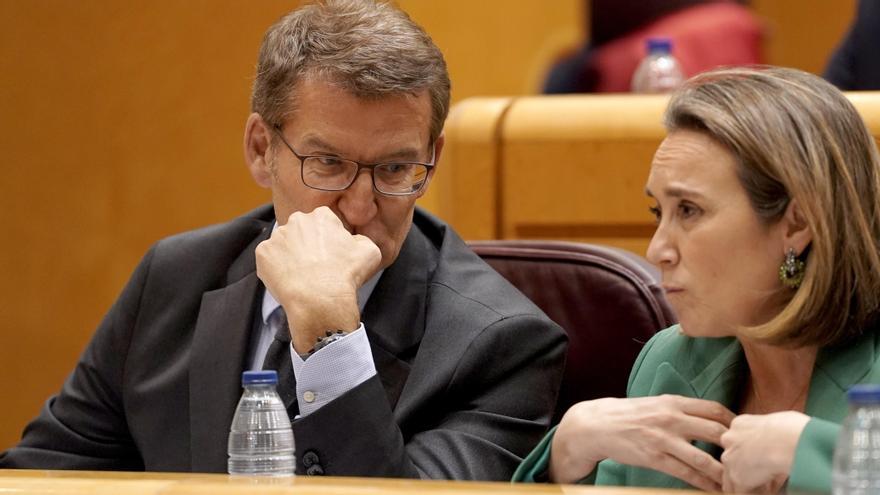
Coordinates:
column 401, row 353
column 854, row 65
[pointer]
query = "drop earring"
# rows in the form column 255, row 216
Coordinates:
column 791, row 272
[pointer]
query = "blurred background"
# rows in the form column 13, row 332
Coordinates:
column 121, row 123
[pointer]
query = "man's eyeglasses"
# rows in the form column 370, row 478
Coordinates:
column 331, row 173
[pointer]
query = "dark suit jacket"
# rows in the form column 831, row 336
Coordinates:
column 854, row 65
column 468, row 368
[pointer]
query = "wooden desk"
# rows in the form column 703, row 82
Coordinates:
column 32, row 482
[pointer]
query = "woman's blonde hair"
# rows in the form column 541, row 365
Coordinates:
column 796, row 137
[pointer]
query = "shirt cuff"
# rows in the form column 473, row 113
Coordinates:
column 332, row 371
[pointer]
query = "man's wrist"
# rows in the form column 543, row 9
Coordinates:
column 312, row 324
column 322, row 342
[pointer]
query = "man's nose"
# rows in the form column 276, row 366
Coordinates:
column 358, row 202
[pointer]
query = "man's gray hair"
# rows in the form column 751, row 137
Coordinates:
column 370, row 49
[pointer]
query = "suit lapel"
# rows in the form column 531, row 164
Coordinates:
column 218, row 353
column 718, row 377
column 722, row 377
column 394, row 316
column 836, row 370
column 714, row 372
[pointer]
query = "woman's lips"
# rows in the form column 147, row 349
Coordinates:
column 671, row 289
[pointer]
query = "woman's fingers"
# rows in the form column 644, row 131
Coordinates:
column 700, row 472
column 708, row 409
column 705, row 430
column 651, row 432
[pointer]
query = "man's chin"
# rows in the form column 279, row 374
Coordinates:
column 387, row 259
column 390, row 252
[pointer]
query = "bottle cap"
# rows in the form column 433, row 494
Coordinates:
column 263, row 377
column 864, row 394
column 659, row 45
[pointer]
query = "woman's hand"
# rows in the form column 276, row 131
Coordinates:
column 651, row 432
column 759, row 450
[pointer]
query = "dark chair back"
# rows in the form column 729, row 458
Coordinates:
column 608, row 301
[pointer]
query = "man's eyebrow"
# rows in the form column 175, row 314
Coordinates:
column 407, row 154
column 314, row 143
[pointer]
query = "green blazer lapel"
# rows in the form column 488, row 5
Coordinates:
column 709, row 369
column 721, row 379
column 705, row 368
column 667, row 380
column 836, row 370
column 724, row 371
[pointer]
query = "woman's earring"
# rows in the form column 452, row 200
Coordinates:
column 791, row 272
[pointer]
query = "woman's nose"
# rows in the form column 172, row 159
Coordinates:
column 661, row 249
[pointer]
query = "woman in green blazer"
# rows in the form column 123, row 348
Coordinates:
column 767, row 198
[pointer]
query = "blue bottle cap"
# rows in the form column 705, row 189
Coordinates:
column 864, row 394
column 659, row 45
column 263, row 377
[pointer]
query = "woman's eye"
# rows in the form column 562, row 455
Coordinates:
column 687, row 210
column 655, row 211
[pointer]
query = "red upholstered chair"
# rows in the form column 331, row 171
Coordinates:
column 608, row 301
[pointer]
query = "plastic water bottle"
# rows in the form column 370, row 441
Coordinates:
column 856, row 467
column 659, row 71
column 260, row 438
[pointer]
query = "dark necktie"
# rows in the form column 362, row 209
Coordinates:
column 278, row 359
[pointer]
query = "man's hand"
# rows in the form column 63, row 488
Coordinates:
column 651, row 432
column 759, row 451
column 314, row 267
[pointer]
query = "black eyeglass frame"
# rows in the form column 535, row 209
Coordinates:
column 371, row 166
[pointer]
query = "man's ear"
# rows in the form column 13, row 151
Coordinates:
column 438, row 150
column 796, row 232
column 257, row 137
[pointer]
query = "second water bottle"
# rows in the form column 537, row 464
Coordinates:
column 659, row 71
column 856, row 469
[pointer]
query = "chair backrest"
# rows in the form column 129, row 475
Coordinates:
column 608, row 301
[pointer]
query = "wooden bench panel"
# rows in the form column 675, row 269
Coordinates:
column 574, row 167
column 565, row 167
column 464, row 188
